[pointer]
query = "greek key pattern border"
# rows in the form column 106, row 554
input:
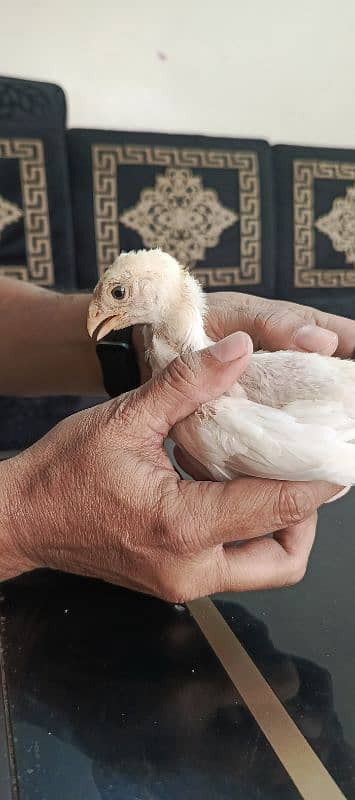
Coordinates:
column 306, row 273
column 30, row 154
column 106, row 159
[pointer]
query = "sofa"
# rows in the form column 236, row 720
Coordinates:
column 276, row 221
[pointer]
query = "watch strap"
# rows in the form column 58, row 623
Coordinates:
column 118, row 362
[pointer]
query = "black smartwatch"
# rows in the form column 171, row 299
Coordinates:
column 118, row 362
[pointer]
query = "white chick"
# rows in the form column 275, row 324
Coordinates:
column 290, row 417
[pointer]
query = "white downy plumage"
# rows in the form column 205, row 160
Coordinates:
column 290, row 417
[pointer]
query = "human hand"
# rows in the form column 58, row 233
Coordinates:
column 279, row 325
column 98, row 496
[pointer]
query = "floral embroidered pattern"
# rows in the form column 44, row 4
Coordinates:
column 9, row 213
column 179, row 215
column 339, row 225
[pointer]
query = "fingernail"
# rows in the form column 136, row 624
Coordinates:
column 338, row 495
column 232, row 347
column 314, row 339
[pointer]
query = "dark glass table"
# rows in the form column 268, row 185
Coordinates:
column 108, row 694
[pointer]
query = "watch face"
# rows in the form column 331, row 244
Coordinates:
column 118, row 362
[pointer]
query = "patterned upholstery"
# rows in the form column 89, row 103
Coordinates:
column 36, row 236
column 207, row 201
column 315, row 225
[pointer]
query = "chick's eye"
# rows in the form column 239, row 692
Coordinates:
column 118, row 292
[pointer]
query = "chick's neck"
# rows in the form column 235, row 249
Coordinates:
column 180, row 327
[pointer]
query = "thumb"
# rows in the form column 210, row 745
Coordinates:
column 195, row 378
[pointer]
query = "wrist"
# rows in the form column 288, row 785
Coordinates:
column 13, row 561
column 81, row 371
column 44, row 345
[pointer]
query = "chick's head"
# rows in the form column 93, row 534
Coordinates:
column 138, row 288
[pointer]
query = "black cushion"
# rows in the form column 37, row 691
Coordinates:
column 207, row 201
column 32, row 101
column 24, row 420
column 315, row 212
column 36, row 234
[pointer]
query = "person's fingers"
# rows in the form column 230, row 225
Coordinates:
column 280, row 325
column 191, row 380
column 217, row 513
column 312, row 339
column 342, row 326
column 278, row 321
column 271, row 562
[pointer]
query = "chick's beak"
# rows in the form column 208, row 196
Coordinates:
column 99, row 323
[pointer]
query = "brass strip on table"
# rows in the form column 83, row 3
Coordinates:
column 293, row 751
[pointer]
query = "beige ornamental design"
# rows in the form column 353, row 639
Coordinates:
column 339, row 224
column 179, row 215
column 9, row 213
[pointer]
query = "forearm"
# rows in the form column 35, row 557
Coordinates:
column 44, row 345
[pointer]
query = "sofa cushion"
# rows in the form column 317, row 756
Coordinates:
column 315, row 212
column 208, row 201
column 36, row 235
column 32, row 101
column 24, row 420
